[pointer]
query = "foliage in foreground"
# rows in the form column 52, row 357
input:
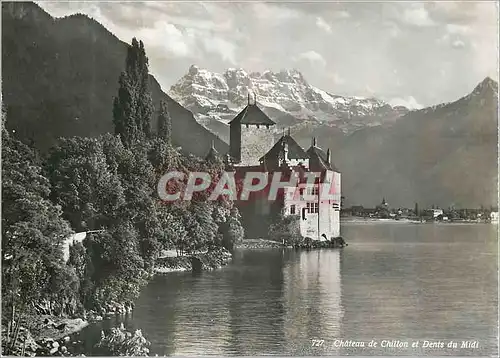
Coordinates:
column 106, row 185
column 286, row 229
column 120, row 342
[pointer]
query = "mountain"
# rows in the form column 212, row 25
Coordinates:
column 59, row 77
column 442, row 155
column 285, row 96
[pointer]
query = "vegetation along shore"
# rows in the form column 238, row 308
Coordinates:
column 106, row 185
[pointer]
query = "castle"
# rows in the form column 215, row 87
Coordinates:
column 252, row 148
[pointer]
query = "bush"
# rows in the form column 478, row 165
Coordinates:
column 120, row 342
column 286, row 229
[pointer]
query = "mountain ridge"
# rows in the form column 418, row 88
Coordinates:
column 62, row 73
column 285, row 96
column 440, row 155
column 60, row 76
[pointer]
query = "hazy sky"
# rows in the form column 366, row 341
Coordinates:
column 405, row 53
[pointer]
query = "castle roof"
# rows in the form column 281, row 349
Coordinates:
column 295, row 151
column 319, row 159
column 252, row 114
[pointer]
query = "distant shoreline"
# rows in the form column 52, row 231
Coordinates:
column 355, row 220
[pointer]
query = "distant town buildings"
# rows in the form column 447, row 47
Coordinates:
column 383, row 211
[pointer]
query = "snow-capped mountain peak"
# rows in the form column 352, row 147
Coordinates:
column 285, row 96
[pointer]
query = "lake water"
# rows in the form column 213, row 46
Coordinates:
column 402, row 282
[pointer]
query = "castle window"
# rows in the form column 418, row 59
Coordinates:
column 312, row 208
column 292, row 209
column 315, row 191
column 257, row 126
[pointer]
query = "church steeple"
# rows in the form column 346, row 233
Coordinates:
column 313, row 143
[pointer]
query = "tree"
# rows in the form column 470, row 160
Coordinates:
column 145, row 108
column 81, row 261
column 32, row 232
column 124, row 111
column 164, row 123
column 232, row 230
column 118, row 266
column 173, row 233
column 285, row 228
column 85, row 186
column 162, row 156
column 137, row 178
column 133, row 107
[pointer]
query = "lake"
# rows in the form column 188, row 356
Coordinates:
column 394, row 283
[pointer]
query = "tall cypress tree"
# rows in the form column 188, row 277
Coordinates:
column 164, row 123
column 123, row 111
column 145, row 105
column 133, row 107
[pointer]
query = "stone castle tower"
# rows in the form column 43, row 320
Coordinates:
column 250, row 135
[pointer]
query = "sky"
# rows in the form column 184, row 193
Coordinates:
column 406, row 53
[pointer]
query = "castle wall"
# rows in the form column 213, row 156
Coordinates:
column 255, row 142
column 329, row 213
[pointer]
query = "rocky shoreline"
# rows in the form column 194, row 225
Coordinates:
column 260, row 244
column 304, row 244
column 48, row 335
column 44, row 335
column 211, row 260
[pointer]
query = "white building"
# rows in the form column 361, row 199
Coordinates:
column 437, row 212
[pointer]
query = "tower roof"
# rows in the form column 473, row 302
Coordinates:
column 252, row 114
column 320, row 158
column 295, row 151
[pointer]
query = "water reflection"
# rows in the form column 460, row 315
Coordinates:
column 313, row 308
column 401, row 282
